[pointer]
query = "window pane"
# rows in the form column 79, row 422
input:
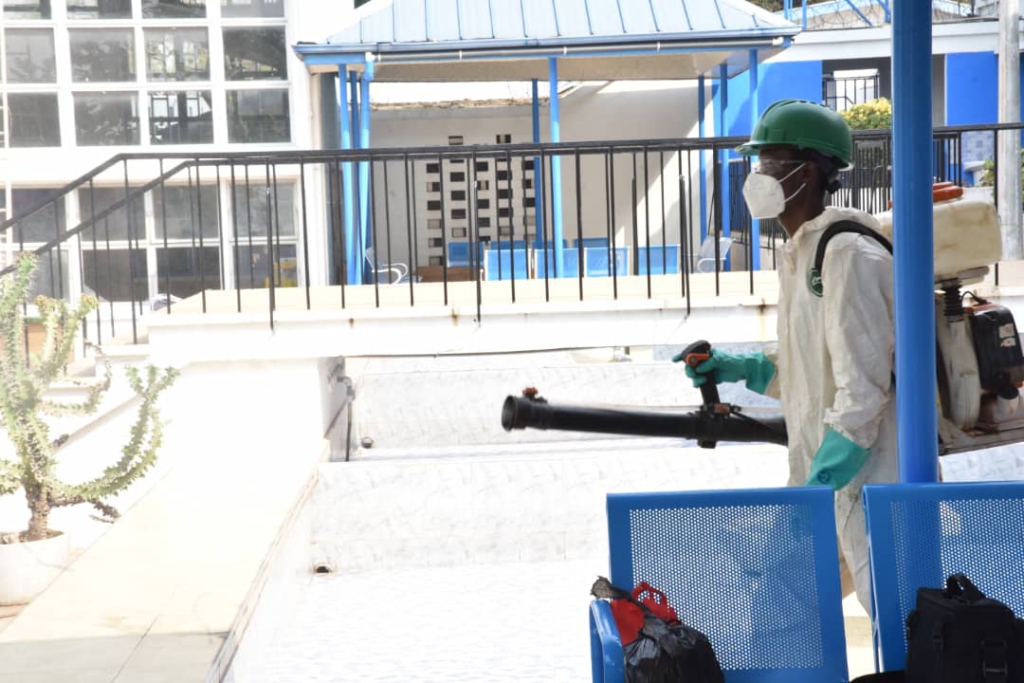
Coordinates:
column 253, row 271
column 114, row 226
column 40, row 226
column 258, row 116
column 252, row 8
column 30, row 56
column 27, row 9
column 184, row 210
column 33, row 120
column 189, row 270
column 254, row 54
column 177, row 54
column 107, row 118
column 110, row 273
column 252, row 214
column 178, row 118
column 173, row 9
column 99, row 55
column 51, row 276
column 99, row 9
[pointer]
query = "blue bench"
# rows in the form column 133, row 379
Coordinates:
column 919, row 534
column 757, row 571
column 546, row 263
column 599, row 265
column 458, row 255
column 498, row 264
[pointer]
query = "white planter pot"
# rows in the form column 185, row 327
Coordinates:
column 26, row 569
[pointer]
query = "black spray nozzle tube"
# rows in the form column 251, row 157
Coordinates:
column 520, row 412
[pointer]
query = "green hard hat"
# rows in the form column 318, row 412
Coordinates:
column 802, row 124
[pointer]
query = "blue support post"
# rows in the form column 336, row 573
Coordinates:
column 701, row 106
column 364, row 167
column 755, row 225
column 912, row 221
column 353, row 264
column 721, row 130
column 556, row 166
column 538, row 189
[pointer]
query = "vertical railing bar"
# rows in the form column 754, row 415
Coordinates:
column 95, row 259
column 614, row 231
column 579, row 223
column 305, row 231
column 372, row 211
column 270, row 243
column 444, row 227
column 202, row 248
column 474, row 228
column 409, row 226
column 131, row 254
column 234, row 241
column 511, row 216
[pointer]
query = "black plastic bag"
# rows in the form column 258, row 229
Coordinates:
column 663, row 652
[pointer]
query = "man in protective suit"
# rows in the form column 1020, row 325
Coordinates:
column 833, row 367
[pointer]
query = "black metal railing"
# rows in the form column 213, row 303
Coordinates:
column 152, row 233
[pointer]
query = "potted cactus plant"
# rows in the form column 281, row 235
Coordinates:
column 32, row 558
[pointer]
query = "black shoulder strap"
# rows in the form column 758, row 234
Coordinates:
column 840, row 227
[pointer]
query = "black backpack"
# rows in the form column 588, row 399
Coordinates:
column 957, row 635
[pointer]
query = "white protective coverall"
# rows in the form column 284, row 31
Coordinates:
column 834, row 365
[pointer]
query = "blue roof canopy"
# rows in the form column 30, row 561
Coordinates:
column 507, row 39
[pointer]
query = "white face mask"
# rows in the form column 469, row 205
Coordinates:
column 764, row 194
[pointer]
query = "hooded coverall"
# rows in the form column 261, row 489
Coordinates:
column 834, row 365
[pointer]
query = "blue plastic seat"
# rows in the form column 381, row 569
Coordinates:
column 498, row 264
column 664, row 259
column 919, row 534
column 546, row 263
column 599, row 265
column 757, row 571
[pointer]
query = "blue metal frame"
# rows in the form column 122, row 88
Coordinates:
column 353, row 262
column 364, row 166
column 556, row 165
column 755, row 224
column 912, row 213
column 701, row 106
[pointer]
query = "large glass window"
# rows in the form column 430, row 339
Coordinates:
column 42, row 225
column 252, row 8
column 183, row 210
column 106, row 118
column 116, row 274
column 99, row 9
column 27, row 9
column 102, row 55
column 173, row 9
column 256, row 116
column 177, row 54
column 30, row 56
column 253, row 54
column 178, row 118
column 255, row 209
column 254, row 266
column 115, row 226
column 189, row 270
column 34, row 120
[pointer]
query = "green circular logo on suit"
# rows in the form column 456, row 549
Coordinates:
column 814, row 282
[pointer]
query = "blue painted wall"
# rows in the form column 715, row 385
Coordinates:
column 972, row 88
column 778, row 81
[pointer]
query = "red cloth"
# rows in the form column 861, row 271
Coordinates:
column 630, row 619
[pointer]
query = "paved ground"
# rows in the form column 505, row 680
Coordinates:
column 515, row 622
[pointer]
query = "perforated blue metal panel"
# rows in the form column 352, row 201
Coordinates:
column 756, row 571
column 921, row 533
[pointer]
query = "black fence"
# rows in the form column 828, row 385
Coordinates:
column 437, row 224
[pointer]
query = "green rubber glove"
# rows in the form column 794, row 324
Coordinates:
column 837, row 461
column 755, row 368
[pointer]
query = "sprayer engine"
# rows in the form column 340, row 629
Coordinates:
column 980, row 362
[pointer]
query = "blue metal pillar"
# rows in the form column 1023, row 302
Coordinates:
column 912, row 218
column 701, row 106
column 353, row 264
column 556, row 167
column 721, row 131
column 538, row 189
column 364, row 167
column 755, row 225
